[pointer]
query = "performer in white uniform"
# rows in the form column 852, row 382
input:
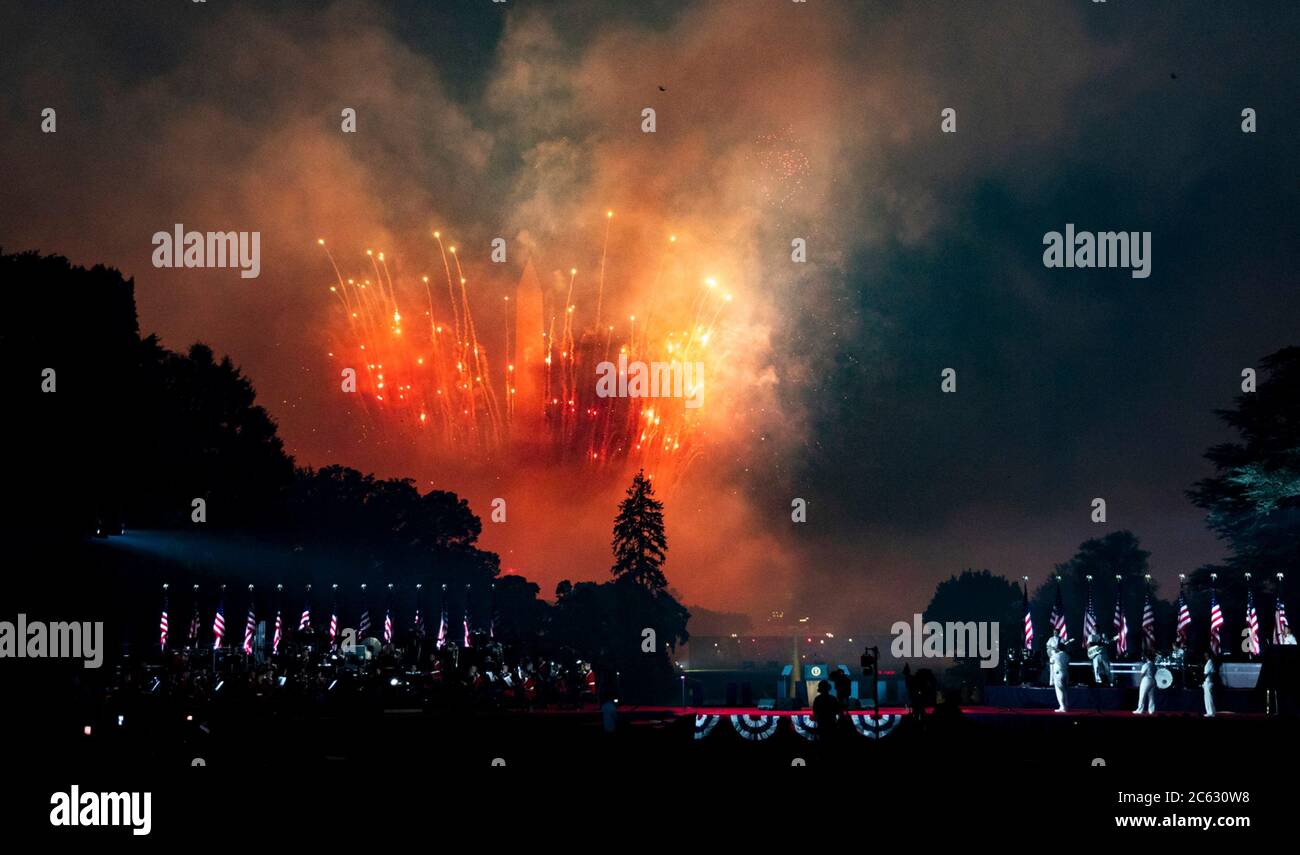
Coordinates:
column 1207, row 685
column 1147, row 686
column 1060, row 663
column 1100, row 657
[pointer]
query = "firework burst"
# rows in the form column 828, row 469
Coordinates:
column 424, row 370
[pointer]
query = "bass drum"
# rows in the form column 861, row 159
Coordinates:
column 1164, row 678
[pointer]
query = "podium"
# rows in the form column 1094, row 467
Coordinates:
column 1279, row 676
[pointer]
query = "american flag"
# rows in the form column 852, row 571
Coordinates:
column 1184, row 619
column 1121, row 628
column 1089, row 621
column 219, row 626
column 364, row 626
column 194, row 626
column 467, row 629
column 304, row 622
column 1216, row 624
column 250, row 629
column 388, row 626
column 1148, row 626
column 442, row 630
column 1058, row 617
column 162, row 626
column 334, row 624
column 1252, row 624
column 1279, row 619
column 279, row 633
column 1029, row 623
column 419, row 627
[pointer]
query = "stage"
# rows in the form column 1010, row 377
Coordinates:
column 1080, row 698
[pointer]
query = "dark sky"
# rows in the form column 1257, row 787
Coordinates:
column 776, row 120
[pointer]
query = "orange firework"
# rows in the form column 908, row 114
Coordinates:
column 432, row 374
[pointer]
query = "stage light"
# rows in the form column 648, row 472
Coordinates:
column 220, row 683
column 121, row 720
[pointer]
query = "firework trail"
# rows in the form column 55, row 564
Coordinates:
column 432, row 375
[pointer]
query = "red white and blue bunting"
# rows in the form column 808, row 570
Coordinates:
column 874, row 727
column 755, row 728
column 704, row 725
column 804, row 725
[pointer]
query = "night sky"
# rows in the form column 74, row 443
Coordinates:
column 776, row 120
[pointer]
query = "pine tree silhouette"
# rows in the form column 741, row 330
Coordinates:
column 639, row 542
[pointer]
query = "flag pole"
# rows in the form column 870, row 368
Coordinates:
column 248, row 641
column 279, row 620
column 1087, row 609
column 420, row 620
column 365, row 617
column 468, row 640
column 390, row 633
column 1029, row 620
column 194, row 622
column 162, row 624
column 1252, row 623
column 1214, row 598
column 334, row 615
column 1121, row 631
column 1146, row 602
column 306, row 607
column 221, row 605
column 1279, row 610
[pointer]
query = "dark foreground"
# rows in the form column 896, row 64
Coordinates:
column 984, row 771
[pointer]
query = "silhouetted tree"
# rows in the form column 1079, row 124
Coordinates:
column 139, row 430
column 1253, row 500
column 390, row 532
column 639, row 541
column 201, row 435
column 520, row 615
column 979, row 596
column 606, row 623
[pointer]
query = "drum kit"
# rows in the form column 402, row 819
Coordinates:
column 1021, row 667
column 1171, row 670
column 1164, row 677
